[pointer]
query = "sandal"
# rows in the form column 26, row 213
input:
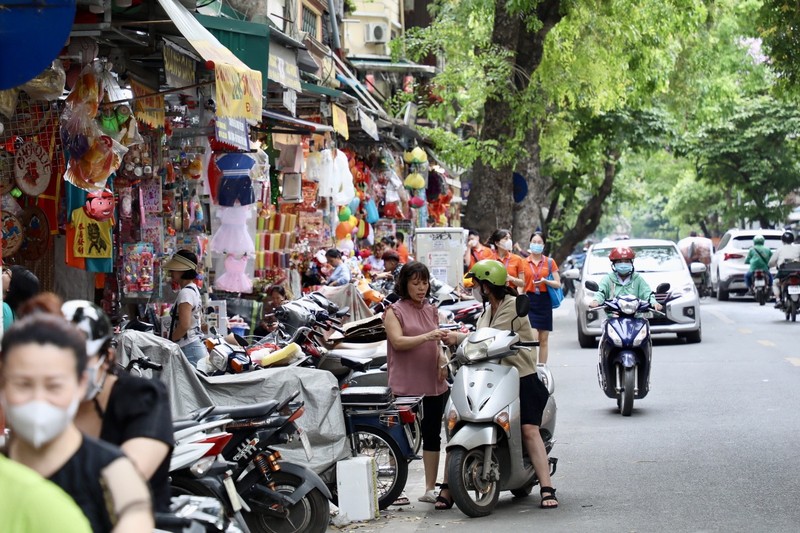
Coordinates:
column 548, row 495
column 442, row 503
column 428, row 497
column 402, row 500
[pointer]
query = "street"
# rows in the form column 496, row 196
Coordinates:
column 711, row 448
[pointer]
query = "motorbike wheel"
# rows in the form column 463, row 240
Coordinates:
column 628, row 386
column 180, row 486
column 473, row 496
column 391, row 465
column 311, row 514
column 761, row 296
column 793, row 310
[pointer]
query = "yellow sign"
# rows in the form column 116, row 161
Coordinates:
column 340, row 121
column 178, row 68
column 284, row 72
column 150, row 109
column 238, row 92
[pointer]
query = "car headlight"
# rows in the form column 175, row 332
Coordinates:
column 477, row 350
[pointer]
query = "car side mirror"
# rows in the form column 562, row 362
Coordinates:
column 591, row 285
column 697, row 268
column 523, row 305
column 572, row 273
column 662, row 288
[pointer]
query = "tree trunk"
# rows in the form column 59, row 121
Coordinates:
column 590, row 214
column 490, row 204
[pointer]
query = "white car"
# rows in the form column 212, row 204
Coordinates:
column 658, row 261
column 727, row 263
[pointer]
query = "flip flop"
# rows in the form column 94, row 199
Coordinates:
column 402, row 500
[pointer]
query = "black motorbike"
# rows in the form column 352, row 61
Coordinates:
column 625, row 348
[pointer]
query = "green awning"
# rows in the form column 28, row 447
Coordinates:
column 319, row 89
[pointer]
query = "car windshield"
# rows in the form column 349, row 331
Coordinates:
column 745, row 243
column 648, row 259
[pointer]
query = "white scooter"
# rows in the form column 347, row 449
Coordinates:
column 485, row 447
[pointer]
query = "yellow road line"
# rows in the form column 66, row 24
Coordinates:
column 794, row 360
column 767, row 343
column 720, row 315
column 745, row 331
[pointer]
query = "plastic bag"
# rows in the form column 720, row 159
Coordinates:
column 48, row 85
column 91, row 171
column 371, row 211
column 8, row 102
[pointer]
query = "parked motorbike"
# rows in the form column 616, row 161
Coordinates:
column 761, row 286
column 625, row 348
column 789, row 284
column 485, row 447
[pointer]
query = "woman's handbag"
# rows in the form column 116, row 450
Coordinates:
column 556, row 295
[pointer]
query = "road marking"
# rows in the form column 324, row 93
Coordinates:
column 766, row 343
column 720, row 315
column 745, row 331
column 794, row 360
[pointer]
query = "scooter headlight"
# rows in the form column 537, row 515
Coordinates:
column 452, row 419
column 477, row 350
column 614, row 336
column 640, row 336
column 628, row 307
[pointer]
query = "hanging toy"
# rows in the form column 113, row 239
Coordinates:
column 100, row 205
column 345, row 214
column 195, row 168
column 414, row 181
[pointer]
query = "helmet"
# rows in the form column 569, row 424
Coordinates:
column 90, row 319
column 758, row 239
column 622, row 253
column 787, row 237
column 489, row 270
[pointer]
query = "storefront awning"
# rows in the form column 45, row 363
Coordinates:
column 388, row 66
column 296, row 123
column 238, row 87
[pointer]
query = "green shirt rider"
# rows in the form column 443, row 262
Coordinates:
column 758, row 259
column 623, row 280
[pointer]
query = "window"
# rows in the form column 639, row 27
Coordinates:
column 310, row 19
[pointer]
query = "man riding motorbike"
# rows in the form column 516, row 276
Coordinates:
column 623, row 280
column 788, row 253
column 758, row 258
column 490, row 279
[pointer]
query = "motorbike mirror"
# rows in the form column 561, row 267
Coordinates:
column 523, row 305
column 591, row 285
column 212, row 330
column 344, row 311
column 662, row 288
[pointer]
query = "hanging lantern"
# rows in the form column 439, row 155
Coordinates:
column 344, row 214
column 414, row 181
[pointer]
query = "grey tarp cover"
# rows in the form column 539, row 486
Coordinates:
column 348, row 295
column 189, row 390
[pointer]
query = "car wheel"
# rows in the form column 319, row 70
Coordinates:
column 693, row 337
column 586, row 341
column 722, row 294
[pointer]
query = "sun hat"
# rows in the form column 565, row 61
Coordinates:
column 182, row 261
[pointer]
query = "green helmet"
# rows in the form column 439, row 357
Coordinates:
column 758, row 239
column 489, row 270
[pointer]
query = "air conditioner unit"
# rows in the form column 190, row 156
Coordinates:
column 377, row 33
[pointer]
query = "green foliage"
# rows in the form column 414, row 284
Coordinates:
column 779, row 26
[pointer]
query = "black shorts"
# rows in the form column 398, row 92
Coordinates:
column 533, row 397
column 232, row 189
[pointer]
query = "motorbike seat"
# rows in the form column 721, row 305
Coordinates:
column 186, row 423
column 367, row 396
column 360, row 364
column 246, row 411
column 364, row 353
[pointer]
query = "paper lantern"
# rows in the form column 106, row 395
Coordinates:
column 345, row 214
column 343, row 229
column 353, row 221
column 416, row 202
column 414, row 181
column 354, row 203
column 346, row 244
column 363, row 229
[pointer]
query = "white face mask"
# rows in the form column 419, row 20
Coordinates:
column 506, row 245
column 37, row 422
column 477, row 294
column 94, row 388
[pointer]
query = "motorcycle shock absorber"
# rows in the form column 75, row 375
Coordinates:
column 268, row 463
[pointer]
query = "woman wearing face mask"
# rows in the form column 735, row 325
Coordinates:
column 126, row 411
column 43, row 380
column 475, row 250
column 186, row 311
column 537, row 268
column 623, row 280
column 501, row 243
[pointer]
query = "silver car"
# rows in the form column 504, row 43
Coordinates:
column 658, row 261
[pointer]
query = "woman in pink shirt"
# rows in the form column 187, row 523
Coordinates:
column 415, row 358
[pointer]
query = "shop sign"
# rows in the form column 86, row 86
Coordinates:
column 283, row 67
column 238, row 92
column 178, row 68
column 148, row 109
column 340, row 121
column 290, row 101
column 32, row 168
column 233, row 131
column 368, row 125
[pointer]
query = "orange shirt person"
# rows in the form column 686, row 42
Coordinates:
column 402, row 249
column 501, row 241
column 475, row 250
